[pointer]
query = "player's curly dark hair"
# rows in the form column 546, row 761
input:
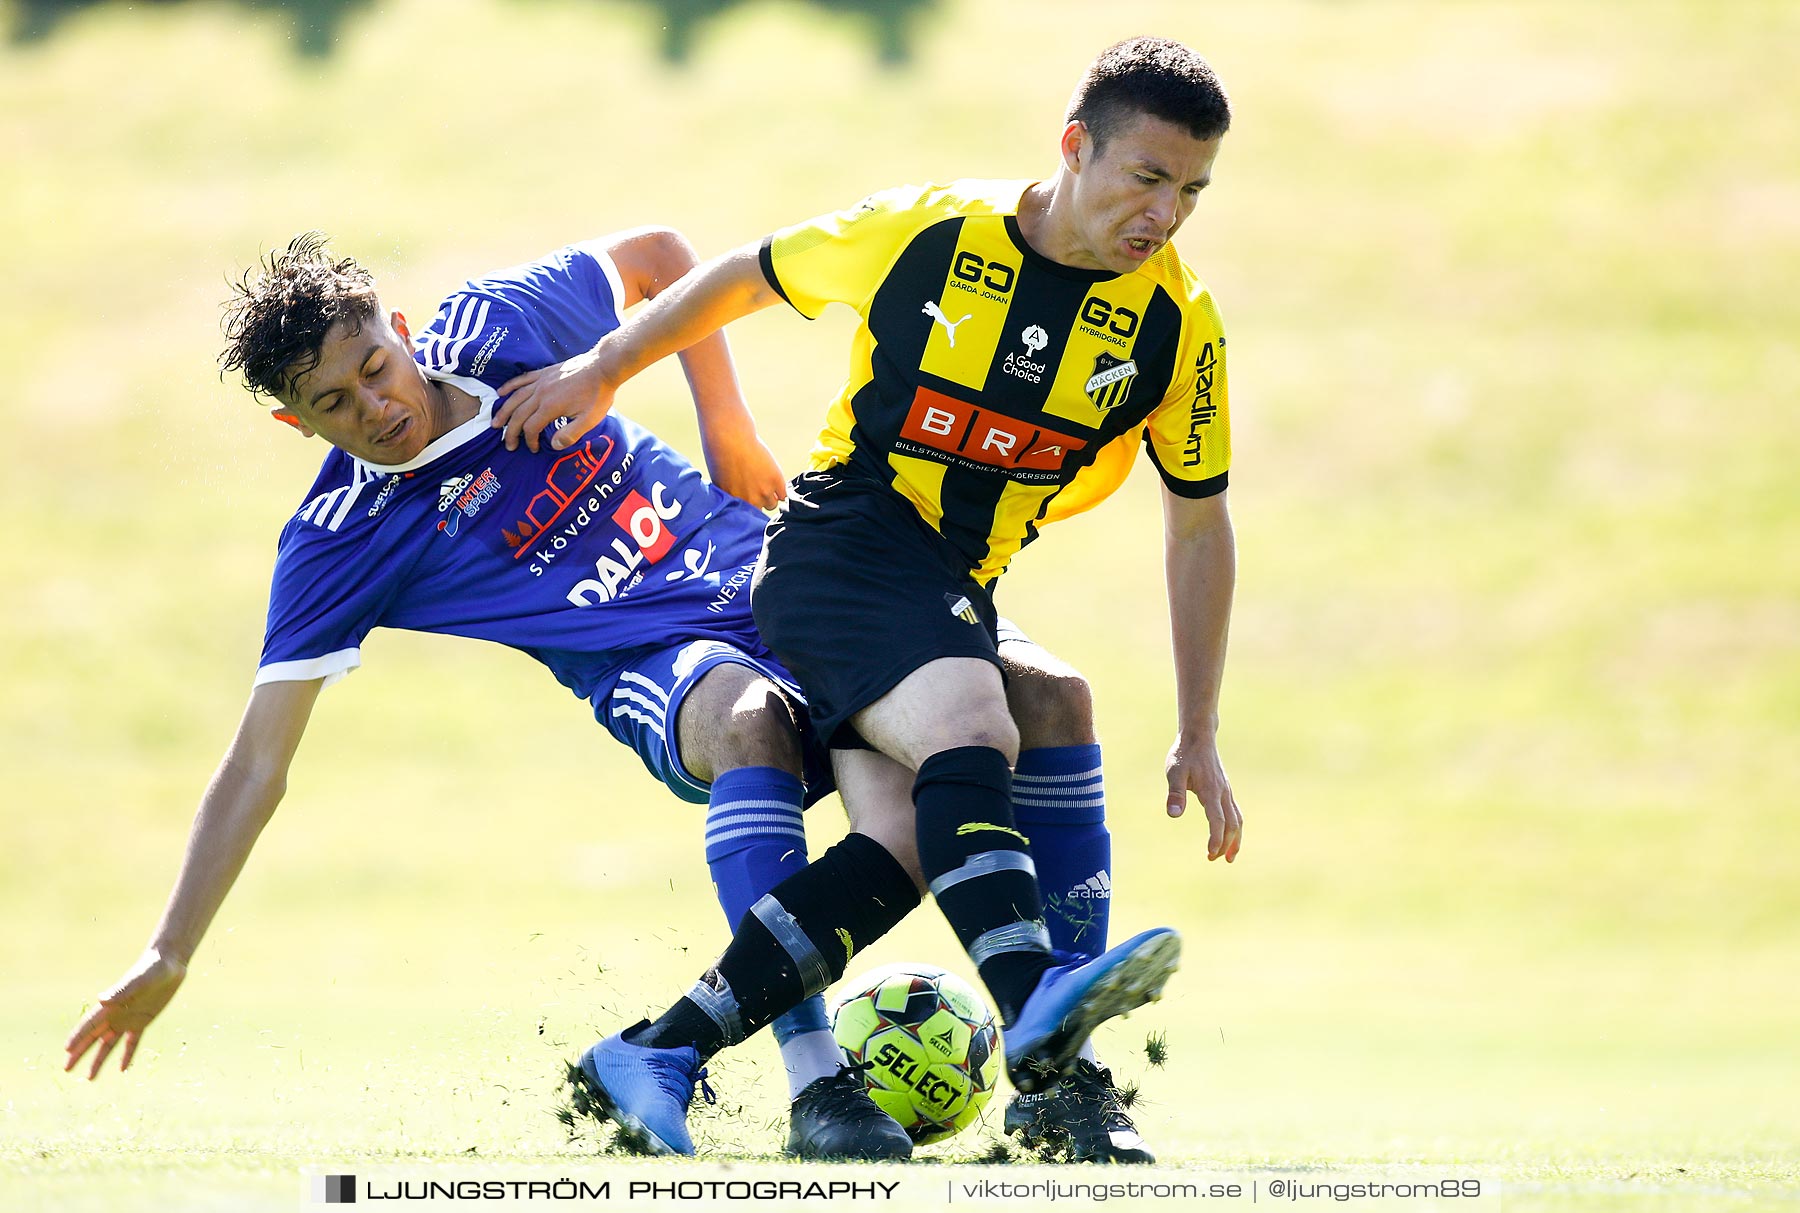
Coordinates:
column 1155, row 76
column 280, row 312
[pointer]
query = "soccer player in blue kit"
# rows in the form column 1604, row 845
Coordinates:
column 614, row 563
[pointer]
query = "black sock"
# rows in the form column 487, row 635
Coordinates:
column 791, row 945
column 980, row 869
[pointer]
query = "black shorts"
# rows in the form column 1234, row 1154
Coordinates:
column 855, row 592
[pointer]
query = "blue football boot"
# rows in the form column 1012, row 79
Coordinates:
column 645, row 1090
column 1072, row 999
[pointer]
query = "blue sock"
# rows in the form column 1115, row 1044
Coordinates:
column 755, row 839
column 1059, row 803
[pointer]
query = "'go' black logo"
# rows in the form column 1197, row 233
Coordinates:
column 997, row 276
column 1121, row 321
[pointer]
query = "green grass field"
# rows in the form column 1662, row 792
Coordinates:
column 1514, row 693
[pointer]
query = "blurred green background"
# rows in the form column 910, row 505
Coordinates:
column 1513, row 705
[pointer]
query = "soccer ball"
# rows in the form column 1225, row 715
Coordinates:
column 931, row 1042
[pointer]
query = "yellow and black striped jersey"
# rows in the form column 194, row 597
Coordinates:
column 992, row 387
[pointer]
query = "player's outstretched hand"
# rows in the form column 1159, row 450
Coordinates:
column 536, row 400
column 125, row 1011
column 1193, row 766
column 743, row 466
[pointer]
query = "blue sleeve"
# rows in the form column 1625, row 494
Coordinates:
column 328, row 593
column 526, row 317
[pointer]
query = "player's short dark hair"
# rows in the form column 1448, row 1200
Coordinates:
column 279, row 313
column 1155, row 76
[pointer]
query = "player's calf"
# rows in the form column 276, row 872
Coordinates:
column 1058, row 793
column 738, row 731
column 1059, row 803
column 793, row 943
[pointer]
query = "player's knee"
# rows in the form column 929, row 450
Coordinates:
column 947, row 704
column 1052, row 707
column 992, row 729
column 760, row 731
column 738, row 718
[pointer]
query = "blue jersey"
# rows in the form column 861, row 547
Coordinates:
column 581, row 558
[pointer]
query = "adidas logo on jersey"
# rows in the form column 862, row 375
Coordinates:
column 448, row 490
column 1097, row 887
column 962, row 608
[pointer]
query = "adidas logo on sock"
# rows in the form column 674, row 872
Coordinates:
column 1098, row 886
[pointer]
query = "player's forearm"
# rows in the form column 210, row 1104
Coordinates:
column 688, row 313
column 236, row 807
column 713, row 383
column 1201, row 569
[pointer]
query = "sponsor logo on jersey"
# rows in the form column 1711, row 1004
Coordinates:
column 962, row 608
column 485, row 354
column 1114, row 325
column 936, row 313
column 991, row 280
column 1021, row 366
column 1203, row 410
column 565, row 482
column 695, row 564
column 983, row 439
column 1097, row 887
column 730, row 588
column 462, row 497
column 1110, row 383
column 647, row 540
column 387, row 492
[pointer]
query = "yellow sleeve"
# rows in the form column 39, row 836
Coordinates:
column 842, row 257
column 1189, row 433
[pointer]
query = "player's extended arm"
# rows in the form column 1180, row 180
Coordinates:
column 650, row 260
column 238, row 803
column 1200, row 559
column 581, row 389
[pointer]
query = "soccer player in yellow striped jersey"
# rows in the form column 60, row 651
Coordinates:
column 995, row 388
column 1018, row 341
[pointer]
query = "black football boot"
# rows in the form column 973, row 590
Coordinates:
column 835, row 1118
column 1080, row 1120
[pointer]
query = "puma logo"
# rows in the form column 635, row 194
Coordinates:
column 937, row 315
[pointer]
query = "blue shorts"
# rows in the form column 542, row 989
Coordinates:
column 641, row 706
